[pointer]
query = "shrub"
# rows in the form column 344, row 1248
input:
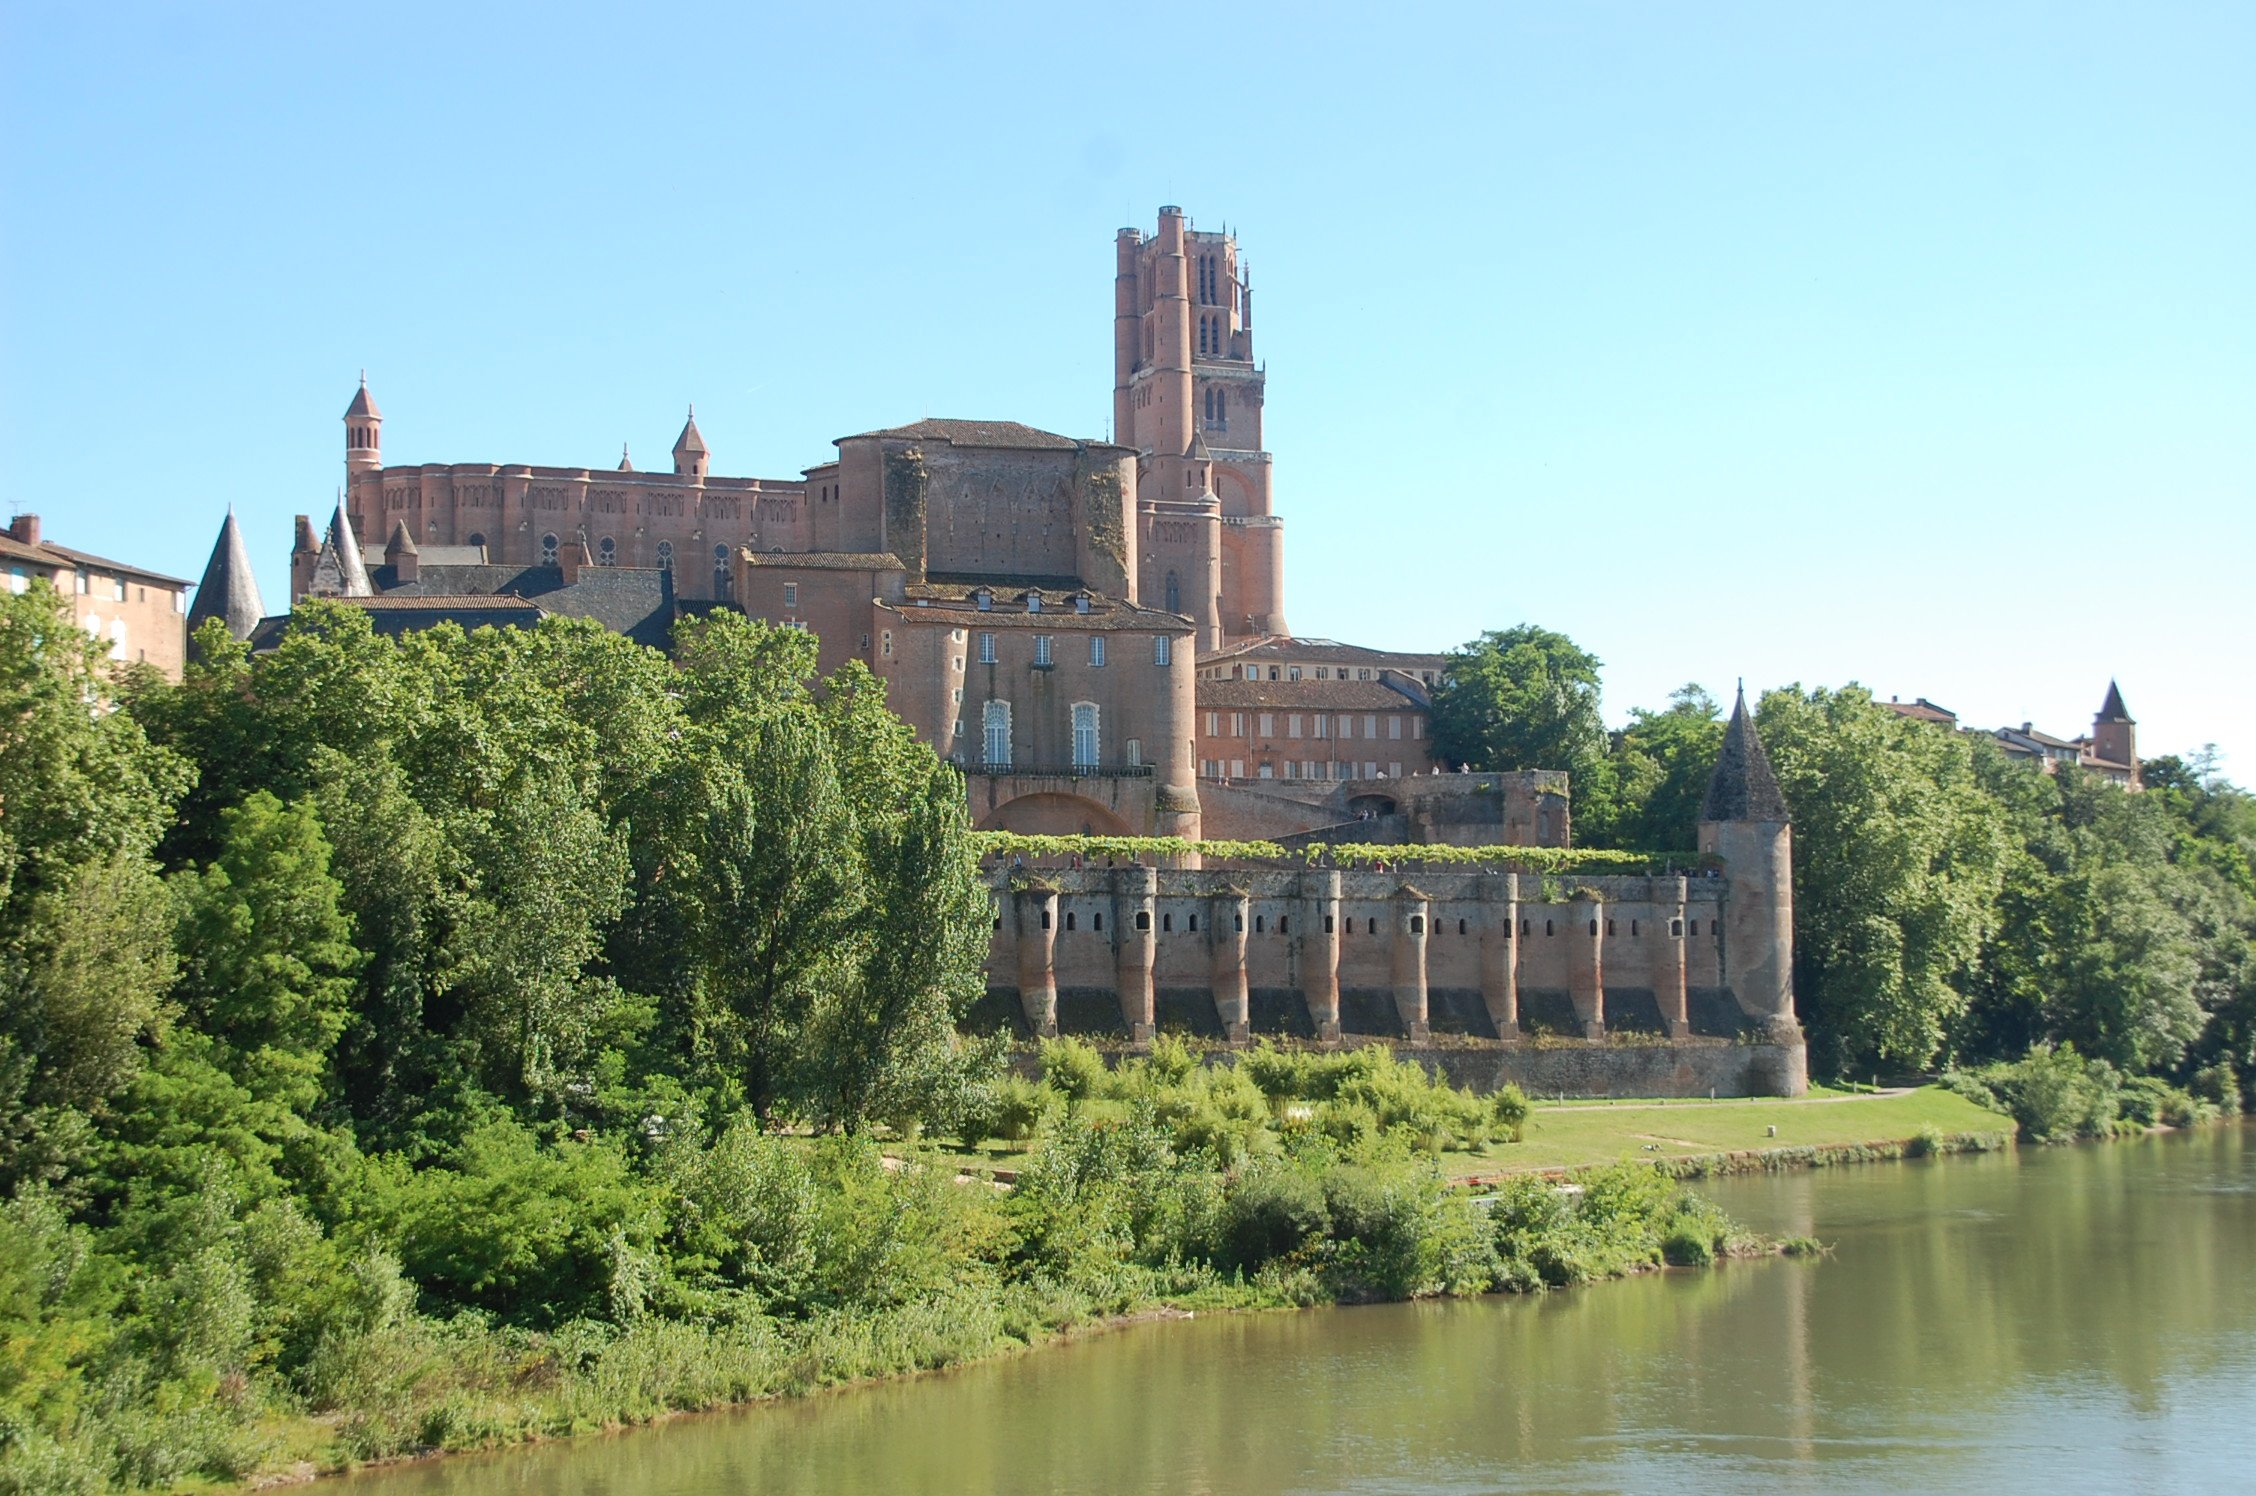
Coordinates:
column 1075, row 1069
column 2053, row 1093
column 1270, row 1213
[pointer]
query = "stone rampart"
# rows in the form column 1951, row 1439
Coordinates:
column 1322, row 953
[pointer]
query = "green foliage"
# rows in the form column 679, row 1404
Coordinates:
column 1161, row 850
column 1522, row 698
column 1649, row 788
column 1899, row 856
column 2054, row 1093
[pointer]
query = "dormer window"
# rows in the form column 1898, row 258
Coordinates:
column 984, row 600
column 1034, row 601
column 1080, row 602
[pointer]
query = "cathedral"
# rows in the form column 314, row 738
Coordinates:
column 1093, row 630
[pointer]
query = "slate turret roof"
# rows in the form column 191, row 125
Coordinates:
column 2112, row 709
column 228, row 592
column 1743, row 788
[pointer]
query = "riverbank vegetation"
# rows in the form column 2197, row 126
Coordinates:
column 1951, row 907
column 445, row 1040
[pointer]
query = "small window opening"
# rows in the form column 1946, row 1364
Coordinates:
column 1327, row 924
column 1547, row 927
column 1143, row 919
column 1045, row 919
column 1417, row 924
column 1676, row 927
column 1594, row 926
column 1167, row 924
column 1284, row 924
column 1096, row 921
column 1260, row 924
column 1460, row 927
column 1069, row 920
column 1237, row 922
column 1194, row 924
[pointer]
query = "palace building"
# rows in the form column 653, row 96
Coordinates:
column 1093, row 630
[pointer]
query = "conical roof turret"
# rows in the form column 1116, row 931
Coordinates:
column 2112, row 709
column 1743, row 787
column 352, row 570
column 690, row 440
column 228, row 592
column 363, row 404
column 401, row 542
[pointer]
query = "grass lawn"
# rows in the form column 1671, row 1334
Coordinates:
column 1571, row 1134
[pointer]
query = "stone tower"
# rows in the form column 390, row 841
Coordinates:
column 228, row 592
column 2114, row 735
column 364, row 435
column 1187, row 395
column 1744, row 824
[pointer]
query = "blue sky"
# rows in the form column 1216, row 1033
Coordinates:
column 1913, row 345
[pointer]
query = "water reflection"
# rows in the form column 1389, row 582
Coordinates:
column 2066, row 1319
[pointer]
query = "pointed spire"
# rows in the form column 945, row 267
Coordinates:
column 363, row 404
column 2112, row 709
column 690, row 440
column 352, row 570
column 1743, row 788
column 1198, row 450
column 228, row 592
column 626, row 463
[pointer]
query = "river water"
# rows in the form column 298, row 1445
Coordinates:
column 2063, row 1319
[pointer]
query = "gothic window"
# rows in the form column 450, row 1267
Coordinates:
column 1174, row 594
column 665, row 555
column 1084, row 735
column 548, row 549
column 607, row 552
column 1221, row 411
column 995, row 720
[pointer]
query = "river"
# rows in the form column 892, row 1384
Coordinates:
column 2061, row 1319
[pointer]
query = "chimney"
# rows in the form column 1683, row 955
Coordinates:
column 570, row 557
column 24, row 528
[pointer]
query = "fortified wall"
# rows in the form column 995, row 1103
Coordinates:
column 1540, row 978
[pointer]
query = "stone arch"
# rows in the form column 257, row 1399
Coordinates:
column 1050, row 813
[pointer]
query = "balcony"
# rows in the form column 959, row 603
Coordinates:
column 1060, row 771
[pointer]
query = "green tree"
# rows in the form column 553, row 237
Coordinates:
column 85, row 948
column 1522, row 698
column 1654, row 777
column 267, row 953
column 1899, row 856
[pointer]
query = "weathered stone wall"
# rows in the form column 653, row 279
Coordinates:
column 1694, row 1067
column 1323, row 953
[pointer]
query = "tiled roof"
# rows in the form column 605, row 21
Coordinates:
column 976, row 434
column 1306, row 695
column 632, row 600
column 229, row 591
column 46, row 553
column 1329, row 651
column 826, row 560
column 1743, row 787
